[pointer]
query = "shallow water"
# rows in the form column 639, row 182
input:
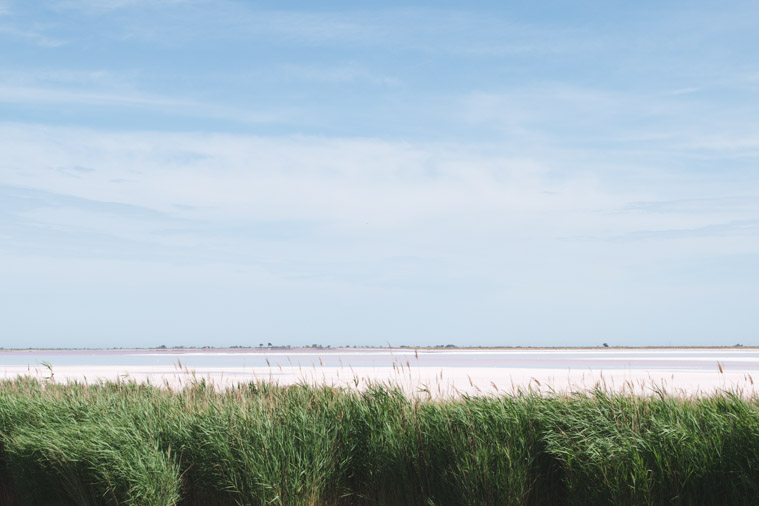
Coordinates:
column 446, row 371
column 746, row 359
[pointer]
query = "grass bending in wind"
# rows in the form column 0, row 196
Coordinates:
column 259, row 444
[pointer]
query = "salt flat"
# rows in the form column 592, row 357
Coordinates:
column 434, row 372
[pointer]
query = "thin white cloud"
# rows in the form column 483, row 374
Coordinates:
column 682, row 91
column 408, row 29
column 651, row 125
column 396, row 187
column 21, row 94
column 126, row 98
column 110, row 5
column 338, row 74
column 743, row 203
column 58, row 77
column 741, row 142
column 391, row 188
column 35, row 36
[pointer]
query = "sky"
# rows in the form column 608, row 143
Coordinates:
column 218, row 173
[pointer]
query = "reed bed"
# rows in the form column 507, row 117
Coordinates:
column 259, row 444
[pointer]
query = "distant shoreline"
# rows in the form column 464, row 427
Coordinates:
column 425, row 348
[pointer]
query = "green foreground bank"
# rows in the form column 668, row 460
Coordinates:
column 132, row 444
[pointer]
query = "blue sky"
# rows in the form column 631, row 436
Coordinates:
column 494, row 173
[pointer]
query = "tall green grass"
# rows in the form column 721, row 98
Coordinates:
column 133, row 444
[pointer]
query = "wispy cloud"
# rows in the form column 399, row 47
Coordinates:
column 741, row 203
column 348, row 73
column 337, row 179
column 682, row 91
column 35, row 36
column 63, row 77
column 354, row 185
column 21, row 94
column 730, row 229
column 110, row 5
column 427, row 30
column 638, row 125
column 40, row 88
column 125, row 98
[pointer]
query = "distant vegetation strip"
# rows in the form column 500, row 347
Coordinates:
column 131, row 444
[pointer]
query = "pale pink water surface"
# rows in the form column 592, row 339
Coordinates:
column 439, row 372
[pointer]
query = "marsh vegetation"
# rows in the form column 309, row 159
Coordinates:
column 135, row 444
